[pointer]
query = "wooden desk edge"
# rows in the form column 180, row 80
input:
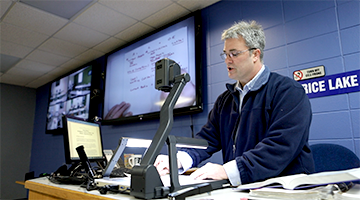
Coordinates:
column 59, row 193
column 20, row 182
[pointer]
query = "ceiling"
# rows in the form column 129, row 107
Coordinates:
column 42, row 40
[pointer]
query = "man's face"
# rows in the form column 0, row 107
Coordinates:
column 240, row 67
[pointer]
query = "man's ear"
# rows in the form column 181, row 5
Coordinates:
column 256, row 55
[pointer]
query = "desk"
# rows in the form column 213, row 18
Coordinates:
column 42, row 188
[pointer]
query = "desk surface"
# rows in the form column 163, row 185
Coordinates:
column 60, row 191
column 42, row 188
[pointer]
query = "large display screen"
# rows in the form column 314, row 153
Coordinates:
column 70, row 96
column 130, row 92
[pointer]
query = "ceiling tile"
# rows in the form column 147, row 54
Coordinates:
column 104, row 19
column 14, row 79
column 137, row 9
column 134, row 32
column 174, row 11
column 42, row 80
column 34, row 19
column 13, row 49
column 90, row 54
column 109, row 45
column 17, row 71
column 196, row 5
column 19, row 76
column 47, row 58
column 80, row 35
column 63, row 48
column 6, row 62
column 21, row 36
column 65, row 9
column 34, row 66
column 59, row 71
column 73, row 64
column 4, row 6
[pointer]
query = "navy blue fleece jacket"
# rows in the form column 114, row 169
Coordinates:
column 271, row 133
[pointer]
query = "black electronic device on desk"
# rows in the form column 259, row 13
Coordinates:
column 145, row 179
column 83, row 146
column 77, row 133
column 115, row 165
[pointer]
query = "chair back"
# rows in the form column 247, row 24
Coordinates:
column 333, row 157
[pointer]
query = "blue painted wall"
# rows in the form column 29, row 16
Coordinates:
column 300, row 34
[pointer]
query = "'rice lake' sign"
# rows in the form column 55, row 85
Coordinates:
column 331, row 85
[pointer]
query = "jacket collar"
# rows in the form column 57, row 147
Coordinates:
column 262, row 80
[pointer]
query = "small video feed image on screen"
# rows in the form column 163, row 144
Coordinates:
column 69, row 96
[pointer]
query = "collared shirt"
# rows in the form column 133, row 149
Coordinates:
column 248, row 86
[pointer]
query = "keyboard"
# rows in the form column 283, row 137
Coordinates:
column 71, row 180
column 120, row 172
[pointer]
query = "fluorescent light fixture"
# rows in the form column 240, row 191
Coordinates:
column 191, row 146
column 135, row 142
column 145, row 143
column 181, row 100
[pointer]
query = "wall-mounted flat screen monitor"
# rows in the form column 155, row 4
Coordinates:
column 69, row 95
column 130, row 93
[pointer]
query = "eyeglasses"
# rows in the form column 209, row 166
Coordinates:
column 233, row 54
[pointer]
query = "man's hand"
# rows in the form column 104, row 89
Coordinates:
column 162, row 164
column 119, row 110
column 210, row 171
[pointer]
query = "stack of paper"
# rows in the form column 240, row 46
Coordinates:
column 278, row 193
column 316, row 186
column 303, row 180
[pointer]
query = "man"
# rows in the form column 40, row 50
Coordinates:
column 261, row 122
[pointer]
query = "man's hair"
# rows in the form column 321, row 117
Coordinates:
column 252, row 33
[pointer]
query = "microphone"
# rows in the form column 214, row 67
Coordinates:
column 85, row 161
